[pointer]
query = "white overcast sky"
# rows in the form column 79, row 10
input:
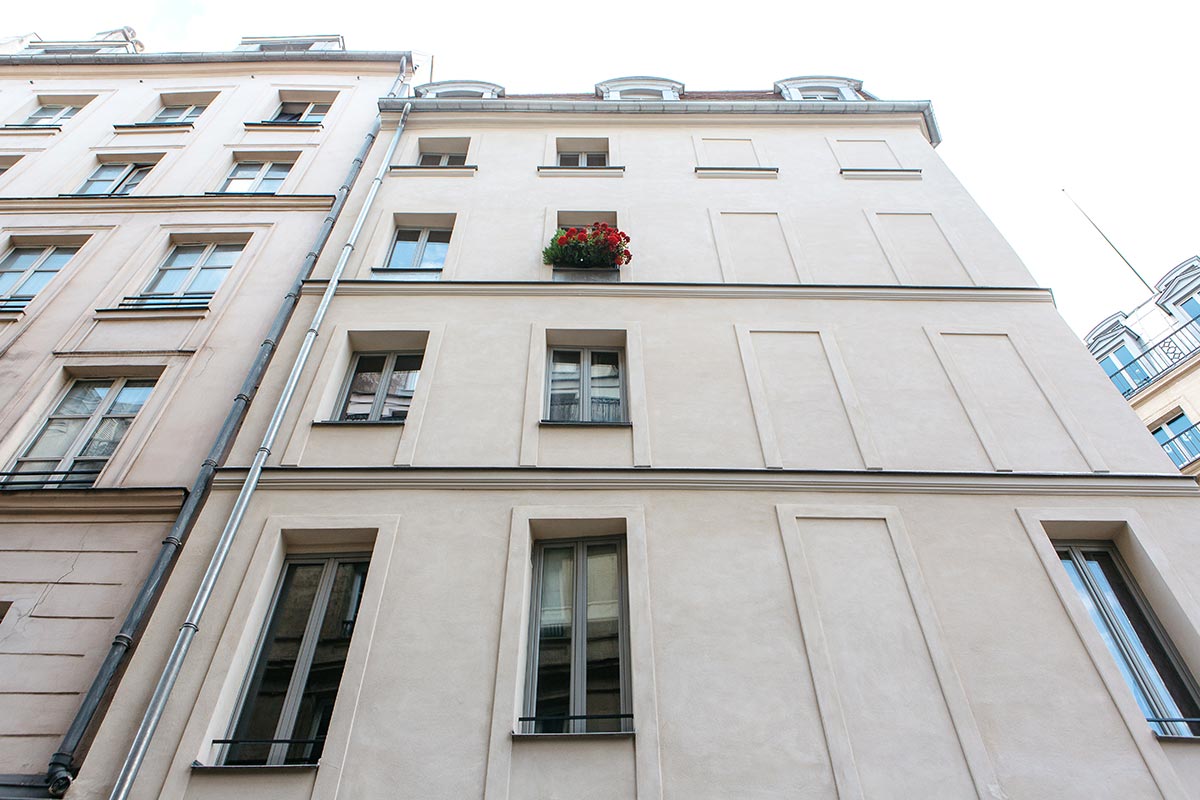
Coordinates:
column 1100, row 98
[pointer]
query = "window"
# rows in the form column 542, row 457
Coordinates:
column 1179, row 439
column 115, row 179
column 299, row 112
column 826, row 96
column 443, row 159
column 583, row 159
column 576, row 152
column 190, row 276
column 380, row 387
column 1191, row 306
column 26, row 270
column 51, row 115
column 1123, row 370
column 81, row 434
column 585, row 385
column 820, row 88
column 256, row 177
column 288, row 703
column 1149, row 663
column 7, row 162
column 5, row 605
column 477, row 90
column 417, row 254
column 578, row 678
column 178, row 115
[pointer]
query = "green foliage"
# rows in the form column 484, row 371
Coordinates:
column 598, row 246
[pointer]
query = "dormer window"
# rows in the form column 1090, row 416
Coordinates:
column 820, row 89
column 291, row 44
column 639, row 88
column 474, row 90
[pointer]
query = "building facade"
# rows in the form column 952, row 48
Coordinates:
column 155, row 209
column 1152, row 356
column 816, row 497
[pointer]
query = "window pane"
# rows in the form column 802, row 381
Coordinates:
column 195, row 112
column 82, row 473
column 430, row 159
column 185, row 255
column 56, row 438
column 456, row 160
column 223, row 255
column 565, row 386
column 58, row 258
column 207, row 281
column 553, row 698
column 436, row 246
column 132, row 397
column 279, row 170
column 603, row 636
column 401, row 387
column 20, row 259
column 276, row 662
column 83, row 398
column 597, row 159
column 606, row 387
column 364, row 385
column 291, row 112
column 166, row 281
column 170, row 114
column 328, row 663
column 103, row 443
column 130, row 183
column 568, row 159
column 317, row 113
column 32, row 285
column 404, row 249
column 7, row 281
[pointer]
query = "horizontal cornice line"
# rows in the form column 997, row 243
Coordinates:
column 717, row 290
column 101, row 204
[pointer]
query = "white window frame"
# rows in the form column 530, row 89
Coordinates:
column 585, row 383
column 263, row 171
column 1145, row 674
column 579, row 608
column 123, row 184
column 309, row 107
column 190, row 114
column 64, row 113
column 285, row 727
column 415, row 267
column 443, row 159
column 185, row 298
column 389, row 368
column 584, row 157
column 13, row 299
column 71, row 453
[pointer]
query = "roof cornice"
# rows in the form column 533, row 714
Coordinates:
column 922, row 107
column 249, row 57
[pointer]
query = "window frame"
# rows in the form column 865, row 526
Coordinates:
column 418, row 254
column 389, row 368
column 309, row 107
column 585, row 383
column 1137, row 668
column 121, row 186
column 65, row 112
column 443, row 159
column 277, row 755
column 191, row 113
column 71, row 453
column 259, row 178
column 1182, row 443
column 185, row 297
column 584, row 157
column 577, row 702
column 12, row 299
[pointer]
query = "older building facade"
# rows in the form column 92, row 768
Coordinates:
column 815, row 497
column 155, row 209
column 1151, row 357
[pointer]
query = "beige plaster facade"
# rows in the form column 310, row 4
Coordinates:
column 72, row 559
column 852, row 431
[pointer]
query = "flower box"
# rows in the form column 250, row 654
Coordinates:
column 596, row 247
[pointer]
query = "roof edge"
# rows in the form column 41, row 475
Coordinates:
column 59, row 59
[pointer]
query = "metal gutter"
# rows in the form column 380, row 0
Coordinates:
column 673, row 107
column 191, row 624
column 59, row 773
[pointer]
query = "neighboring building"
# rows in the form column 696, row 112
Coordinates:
column 818, row 497
column 156, row 209
column 1152, row 355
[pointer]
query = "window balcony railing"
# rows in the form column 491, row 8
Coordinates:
column 49, row 479
column 187, row 300
column 1174, row 348
column 1184, row 448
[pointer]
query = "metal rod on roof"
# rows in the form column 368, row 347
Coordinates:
column 1110, row 244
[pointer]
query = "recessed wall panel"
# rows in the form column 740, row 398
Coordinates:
column 864, row 154
column 919, row 244
column 756, row 246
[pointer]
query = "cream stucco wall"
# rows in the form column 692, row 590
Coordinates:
column 849, row 449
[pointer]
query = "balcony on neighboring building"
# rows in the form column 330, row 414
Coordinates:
column 1132, row 374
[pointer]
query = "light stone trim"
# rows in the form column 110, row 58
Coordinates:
column 847, row 395
column 1135, row 536
column 104, row 204
column 969, row 736
column 512, row 655
column 977, row 413
column 629, row 478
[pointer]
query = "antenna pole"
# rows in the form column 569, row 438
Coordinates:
column 1110, row 244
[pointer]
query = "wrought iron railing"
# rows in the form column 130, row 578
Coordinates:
column 561, row 723
column 14, row 303
column 47, row 479
column 1174, row 348
column 1184, row 448
column 185, row 300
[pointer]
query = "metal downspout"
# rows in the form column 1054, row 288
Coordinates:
column 60, row 774
column 191, row 625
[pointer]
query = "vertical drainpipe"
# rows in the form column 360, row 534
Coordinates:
column 191, row 625
column 61, row 771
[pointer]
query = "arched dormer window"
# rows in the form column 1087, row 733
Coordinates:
column 639, row 88
column 820, row 88
column 478, row 90
column 1179, row 290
